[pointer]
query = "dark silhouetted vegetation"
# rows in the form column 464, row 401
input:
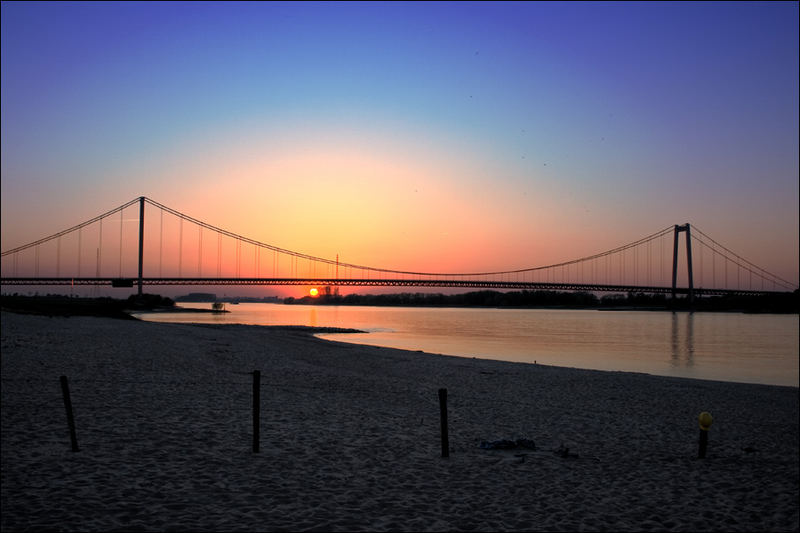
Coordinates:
column 207, row 297
column 783, row 302
column 770, row 303
column 61, row 305
column 486, row 298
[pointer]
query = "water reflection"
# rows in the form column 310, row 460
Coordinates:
column 683, row 350
column 728, row 347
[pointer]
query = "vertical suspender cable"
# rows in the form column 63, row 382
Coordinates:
column 160, row 242
column 714, row 267
column 199, row 251
column 726, row 270
column 702, row 249
column 79, row 253
column 121, row 215
column 180, row 248
column 238, row 258
column 100, row 248
column 219, row 255
column 738, row 276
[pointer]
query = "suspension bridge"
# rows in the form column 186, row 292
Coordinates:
column 168, row 247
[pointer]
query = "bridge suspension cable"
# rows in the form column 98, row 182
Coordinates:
column 312, row 258
column 628, row 265
column 738, row 261
column 70, row 230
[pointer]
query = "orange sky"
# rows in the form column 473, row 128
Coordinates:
column 514, row 136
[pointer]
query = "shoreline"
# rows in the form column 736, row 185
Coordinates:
column 350, row 438
column 543, row 307
column 106, row 306
column 684, row 356
column 176, row 309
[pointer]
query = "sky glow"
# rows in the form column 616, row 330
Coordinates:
column 420, row 136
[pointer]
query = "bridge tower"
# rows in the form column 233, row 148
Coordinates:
column 678, row 231
column 141, row 241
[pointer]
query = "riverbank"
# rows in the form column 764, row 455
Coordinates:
column 62, row 305
column 350, row 438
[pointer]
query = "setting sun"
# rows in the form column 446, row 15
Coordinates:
column 314, row 292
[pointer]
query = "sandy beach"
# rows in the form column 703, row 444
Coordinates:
column 350, row 438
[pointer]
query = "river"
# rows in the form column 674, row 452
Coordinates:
column 749, row 348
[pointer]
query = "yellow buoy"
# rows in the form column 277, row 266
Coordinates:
column 705, row 420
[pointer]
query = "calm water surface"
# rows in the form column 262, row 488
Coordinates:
column 720, row 346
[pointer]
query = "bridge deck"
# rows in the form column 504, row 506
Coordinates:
column 365, row 282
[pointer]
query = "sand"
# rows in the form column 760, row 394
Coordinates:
column 350, row 438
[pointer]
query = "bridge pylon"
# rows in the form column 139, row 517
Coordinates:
column 678, row 230
column 141, row 242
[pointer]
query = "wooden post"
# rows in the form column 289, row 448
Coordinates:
column 443, row 418
column 256, row 409
column 70, row 419
column 705, row 421
column 703, row 443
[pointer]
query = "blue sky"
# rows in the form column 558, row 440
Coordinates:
column 591, row 124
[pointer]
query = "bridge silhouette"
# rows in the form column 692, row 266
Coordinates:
column 168, row 247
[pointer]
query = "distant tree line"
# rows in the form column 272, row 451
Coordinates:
column 787, row 302
column 64, row 305
column 470, row 299
column 207, row 297
column 774, row 303
column 782, row 302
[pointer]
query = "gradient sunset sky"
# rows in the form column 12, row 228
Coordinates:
column 440, row 136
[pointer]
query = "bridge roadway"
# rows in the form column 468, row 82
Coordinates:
column 366, row 282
